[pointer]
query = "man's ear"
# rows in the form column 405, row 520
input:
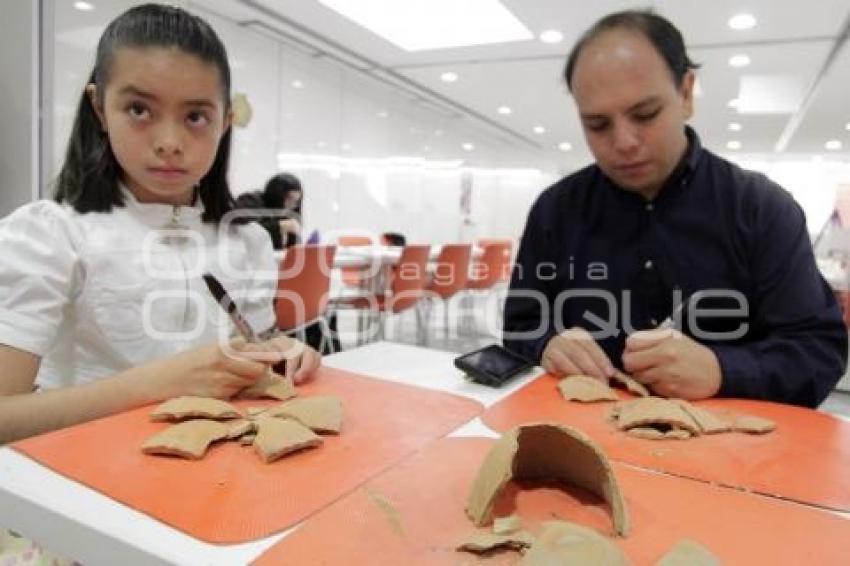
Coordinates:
column 96, row 104
column 687, row 93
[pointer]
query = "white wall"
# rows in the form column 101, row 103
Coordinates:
column 18, row 134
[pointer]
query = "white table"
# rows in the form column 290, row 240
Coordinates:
column 80, row 523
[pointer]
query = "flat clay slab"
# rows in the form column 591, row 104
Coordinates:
column 322, row 413
column 187, row 407
column 189, row 439
column 562, row 542
column 586, row 389
column 278, row 437
column 271, row 386
column 648, row 411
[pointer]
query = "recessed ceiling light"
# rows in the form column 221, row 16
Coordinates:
column 346, row 146
column 565, row 146
column 742, row 21
column 734, row 144
column 505, row 110
column 847, row 126
column 84, row 6
column 833, row 145
column 321, row 144
column 297, row 84
column 426, row 148
column 542, row 130
column 733, row 103
column 739, row 60
column 383, row 114
column 448, row 77
column 438, row 133
column 734, row 127
column 551, row 36
column 468, row 146
column 417, row 25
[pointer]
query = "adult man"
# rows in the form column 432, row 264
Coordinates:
column 609, row 252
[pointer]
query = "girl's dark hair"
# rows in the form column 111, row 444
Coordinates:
column 90, row 174
column 278, row 187
column 663, row 35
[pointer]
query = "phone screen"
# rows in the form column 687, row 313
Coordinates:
column 492, row 365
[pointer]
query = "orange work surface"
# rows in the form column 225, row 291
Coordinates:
column 807, row 457
column 414, row 514
column 230, row 495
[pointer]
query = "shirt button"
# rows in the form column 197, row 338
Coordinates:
column 649, row 207
column 648, row 264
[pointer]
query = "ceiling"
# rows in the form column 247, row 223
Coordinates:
column 801, row 43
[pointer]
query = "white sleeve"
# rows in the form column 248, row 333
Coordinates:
column 258, row 305
column 38, row 274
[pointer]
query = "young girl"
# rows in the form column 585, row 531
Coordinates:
column 102, row 303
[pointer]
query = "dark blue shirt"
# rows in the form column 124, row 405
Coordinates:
column 599, row 257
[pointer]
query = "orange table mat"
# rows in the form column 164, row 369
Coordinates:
column 230, row 495
column 413, row 514
column 807, row 457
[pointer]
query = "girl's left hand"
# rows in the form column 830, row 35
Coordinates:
column 301, row 360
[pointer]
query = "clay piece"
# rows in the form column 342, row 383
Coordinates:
column 247, row 440
column 279, row 437
column 708, row 422
column 688, row 553
column 586, row 389
column 630, row 383
column 253, row 412
column 753, row 425
column 189, row 439
column 645, row 432
column 240, row 428
column 480, row 543
column 677, row 434
column 321, row 413
column 655, row 412
column 506, row 525
column 545, row 451
column 271, row 386
column 567, row 543
column 181, row 408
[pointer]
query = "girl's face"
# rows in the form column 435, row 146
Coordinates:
column 164, row 114
column 292, row 200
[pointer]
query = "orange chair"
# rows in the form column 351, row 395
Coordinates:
column 352, row 276
column 406, row 286
column 303, row 286
column 449, row 277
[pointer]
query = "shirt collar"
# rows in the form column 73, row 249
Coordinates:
column 158, row 214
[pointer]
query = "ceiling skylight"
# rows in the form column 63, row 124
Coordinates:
column 419, row 25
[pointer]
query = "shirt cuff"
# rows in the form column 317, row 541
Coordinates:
column 740, row 372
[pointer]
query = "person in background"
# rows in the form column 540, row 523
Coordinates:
column 102, row 305
column 613, row 250
column 283, row 194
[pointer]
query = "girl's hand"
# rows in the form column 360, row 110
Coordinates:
column 300, row 360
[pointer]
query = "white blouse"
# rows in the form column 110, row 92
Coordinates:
column 94, row 294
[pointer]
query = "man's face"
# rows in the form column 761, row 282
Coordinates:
column 632, row 112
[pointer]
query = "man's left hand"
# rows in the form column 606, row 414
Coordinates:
column 672, row 364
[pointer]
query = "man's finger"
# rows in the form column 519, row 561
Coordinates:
column 560, row 364
column 643, row 339
column 599, row 357
column 642, row 360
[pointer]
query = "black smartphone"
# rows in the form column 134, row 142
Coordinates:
column 492, row 365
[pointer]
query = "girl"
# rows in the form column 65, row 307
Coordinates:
column 102, row 304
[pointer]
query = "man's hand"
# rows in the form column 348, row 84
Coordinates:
column 672, row 364
column 573, row 352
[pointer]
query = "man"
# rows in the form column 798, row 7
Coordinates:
column 660, row 226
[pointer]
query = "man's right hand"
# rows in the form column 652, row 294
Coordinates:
column 574, row 352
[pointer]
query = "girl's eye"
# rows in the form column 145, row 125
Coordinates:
column 137, row 111
column 647, row 116
column 197, row 119
column 597, row 126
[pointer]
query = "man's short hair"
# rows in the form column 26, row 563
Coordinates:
column 662, row 34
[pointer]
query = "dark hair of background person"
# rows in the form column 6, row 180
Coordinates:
column 663, row 35
column 90, row 174
column 278, row 187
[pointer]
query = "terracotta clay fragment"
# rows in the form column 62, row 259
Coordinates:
column 708, row 422
column 630, row 383
column 189, row 439
column 545, row 451
column 586, row 389
column 688, row 553
column 753, row 425
column 239, row 428
column 677, row 434
column 247, row 440
column 645, row 432
column 506, row 525
column 279, row 437
column 321, row 413
column 187, row 407
column 271, row 386
column 567, row 543
column 485, row 542
column 649, row 411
